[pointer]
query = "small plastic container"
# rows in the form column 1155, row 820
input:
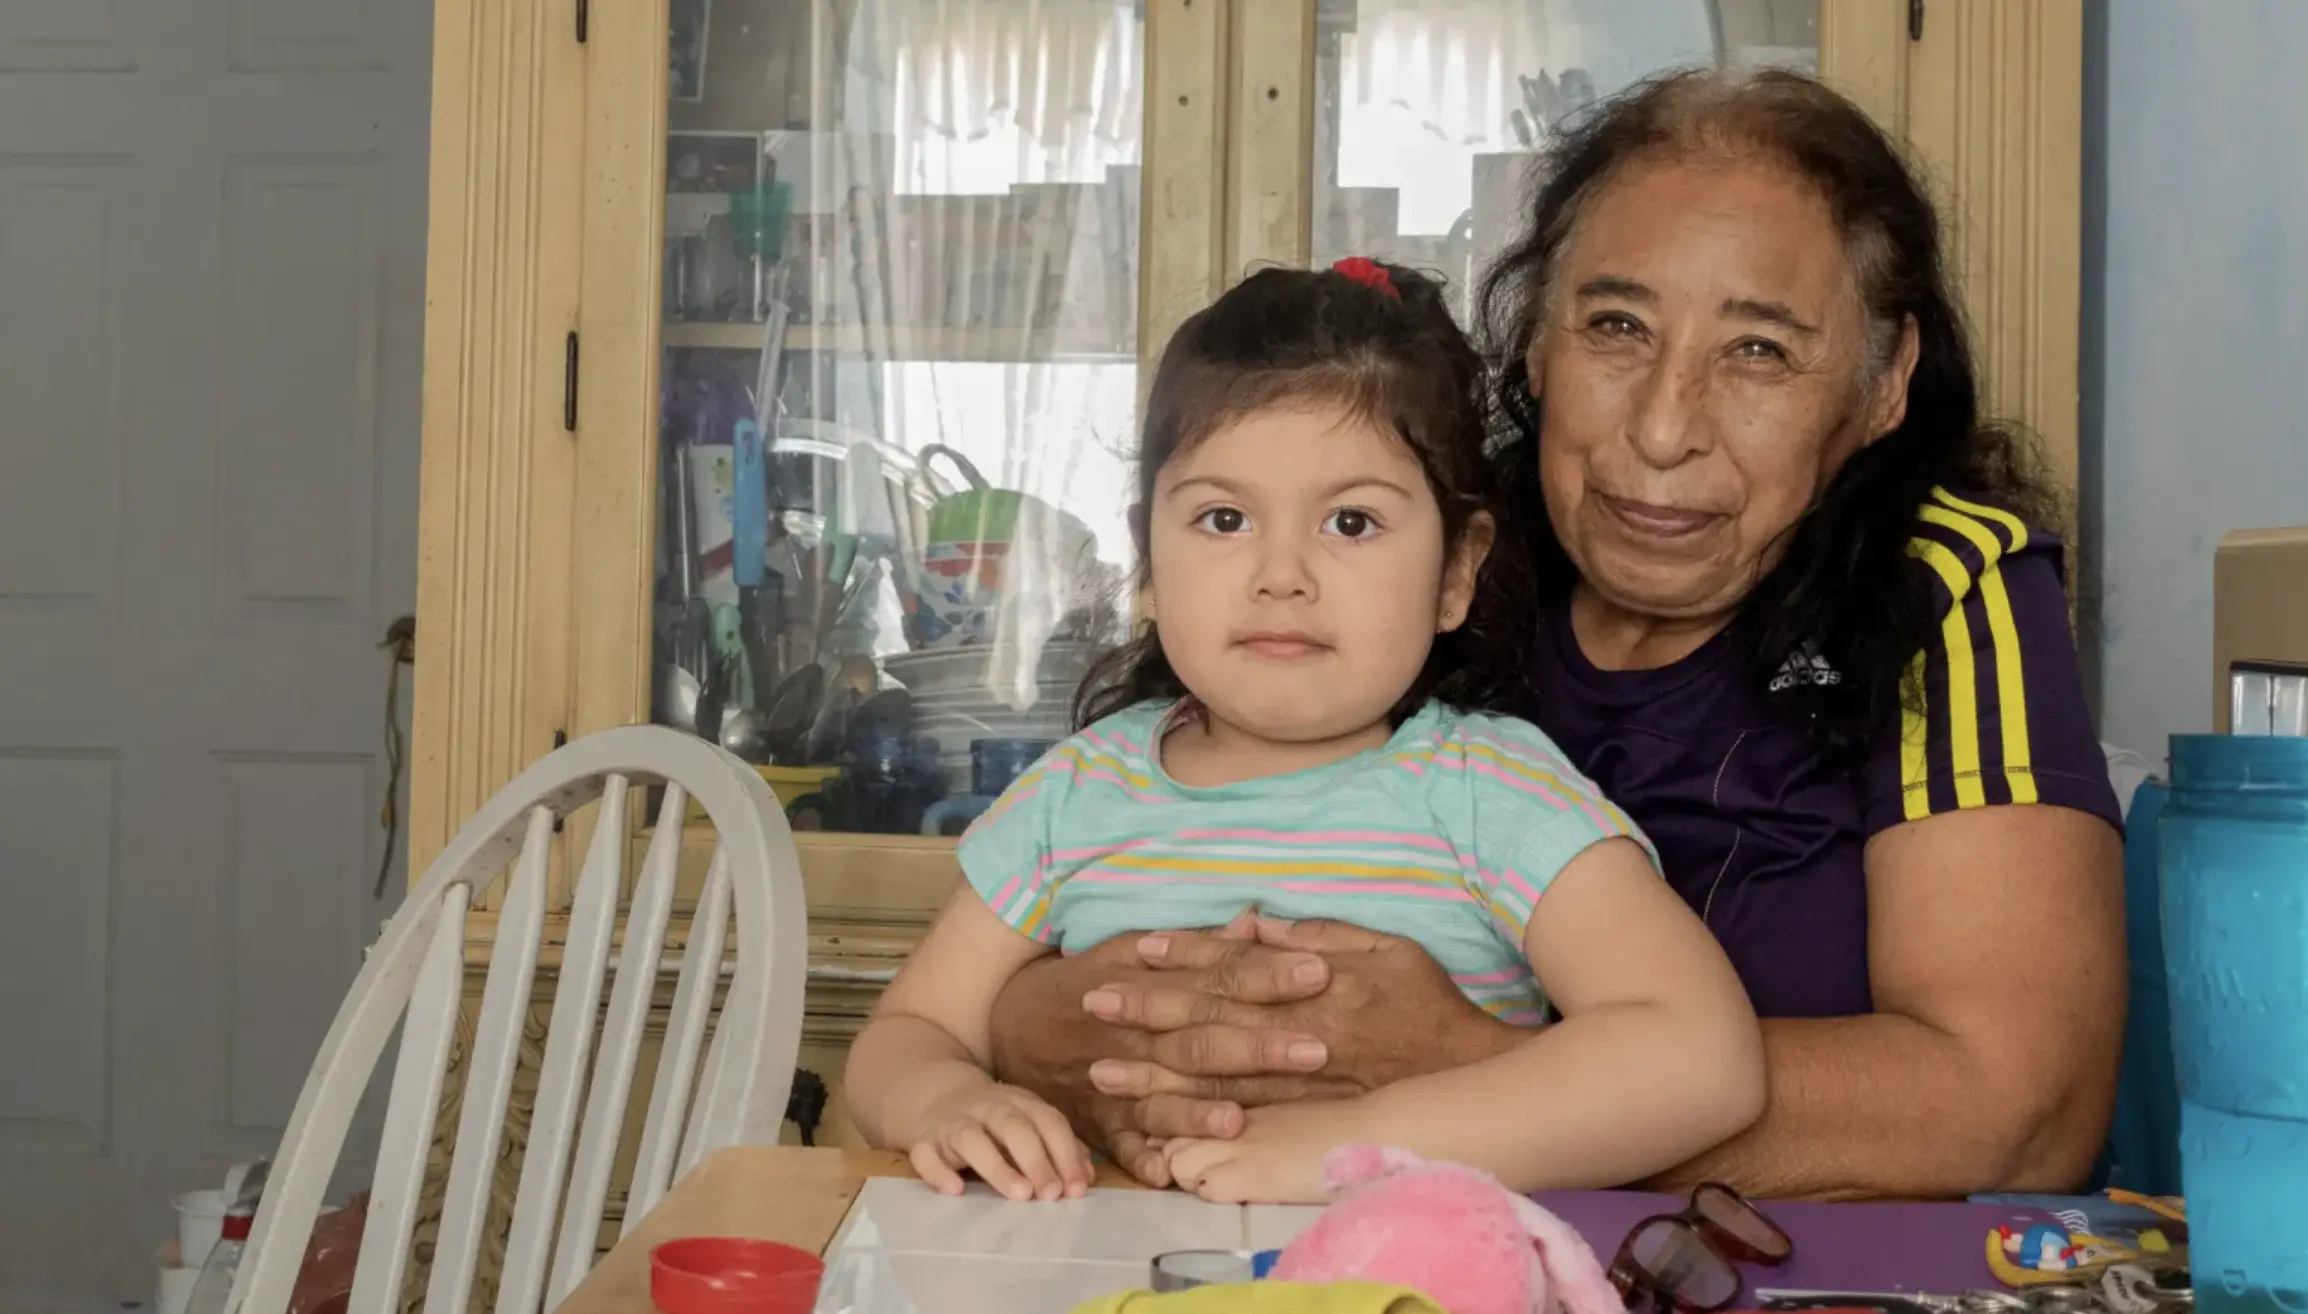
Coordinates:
column 199, row 1223
column 173, row 1294
column 732, row 1275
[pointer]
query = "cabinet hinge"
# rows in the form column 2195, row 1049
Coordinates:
column 569, row 384
column 1914, row 19
column 583, row 13
column 560, row 739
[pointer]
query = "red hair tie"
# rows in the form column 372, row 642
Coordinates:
column 1369, row 273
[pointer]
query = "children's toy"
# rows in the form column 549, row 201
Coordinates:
column 1453, row 1233
column 2081, row 1249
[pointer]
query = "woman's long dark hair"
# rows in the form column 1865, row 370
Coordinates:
column 1398, row 359
column 1845, row 587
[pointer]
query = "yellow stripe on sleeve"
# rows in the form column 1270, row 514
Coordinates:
column 2011, row 688
column 2011, row 525
column 2003, row 634
column 1962, row 685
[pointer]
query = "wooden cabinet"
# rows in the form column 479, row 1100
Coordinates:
column 867, row 233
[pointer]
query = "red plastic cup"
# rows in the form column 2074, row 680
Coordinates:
column 730, row 1275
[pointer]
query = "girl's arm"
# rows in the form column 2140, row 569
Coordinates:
column 927, row 1040
column 1657, row 1057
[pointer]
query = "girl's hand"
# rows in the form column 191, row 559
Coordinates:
column 1277, row 1159
column 1020, row 1145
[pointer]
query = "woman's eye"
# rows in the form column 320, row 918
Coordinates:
column 1223, row 520
column 1614, row 325
column 1350, row 524
column 1758, row 349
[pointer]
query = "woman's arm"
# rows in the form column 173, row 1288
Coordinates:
column 1996, row 950
column 927, row 1040
column 1657, row 1056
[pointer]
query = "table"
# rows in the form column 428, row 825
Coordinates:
column 731, row 1193
column 802, row 1196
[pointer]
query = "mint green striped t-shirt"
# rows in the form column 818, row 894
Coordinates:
column 1447, row 835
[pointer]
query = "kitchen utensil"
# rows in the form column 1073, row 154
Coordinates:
column 788, row 715
column 745, row 733
column 887, row 712
column 684, row 514
column 712, row 695
column 729, row 656
column 748, row 506
column 854, row 680
column 677, row 696
column 759, row 610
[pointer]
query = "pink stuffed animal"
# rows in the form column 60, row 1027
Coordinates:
column 1450, row 1232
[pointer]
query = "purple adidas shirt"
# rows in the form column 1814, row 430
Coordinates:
column 1765, row 842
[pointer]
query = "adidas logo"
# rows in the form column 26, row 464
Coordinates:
column 1807, row 668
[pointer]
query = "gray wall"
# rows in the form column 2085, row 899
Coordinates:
column 2195, row 332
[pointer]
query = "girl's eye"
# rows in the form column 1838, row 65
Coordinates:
column 1350, row 523
column 1223, row 520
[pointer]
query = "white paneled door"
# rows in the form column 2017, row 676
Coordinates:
column 212, row 218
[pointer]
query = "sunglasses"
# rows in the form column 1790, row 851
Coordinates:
column 1687, row 1262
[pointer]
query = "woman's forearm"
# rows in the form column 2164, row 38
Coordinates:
column 1598, row 1099
column 1887, row 1106
column 900, row 1068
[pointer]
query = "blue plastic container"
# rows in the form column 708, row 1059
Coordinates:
column 2235, row 910
column 2144, row 1143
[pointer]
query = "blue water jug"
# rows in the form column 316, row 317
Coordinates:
column 2235, row 909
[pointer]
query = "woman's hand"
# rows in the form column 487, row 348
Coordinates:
column 1012, row 1138
column 1368, row 1010
column 1175, row 1034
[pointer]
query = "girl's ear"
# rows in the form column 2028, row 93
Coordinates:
column 1461, row 571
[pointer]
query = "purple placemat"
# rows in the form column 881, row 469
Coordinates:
column 1838, row 1247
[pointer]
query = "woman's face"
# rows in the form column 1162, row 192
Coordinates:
column 1703, row 369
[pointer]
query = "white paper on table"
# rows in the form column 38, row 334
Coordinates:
column 905, row 1249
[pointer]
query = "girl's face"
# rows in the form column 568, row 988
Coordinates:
column 1298, row 573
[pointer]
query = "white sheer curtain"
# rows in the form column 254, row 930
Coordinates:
column 984, row 94
column 1424, row 86
column 1002, row 326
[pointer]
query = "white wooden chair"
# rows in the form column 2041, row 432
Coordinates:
column 416, row 969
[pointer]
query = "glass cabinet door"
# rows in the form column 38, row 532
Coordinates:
column 1426, row 112
column 897, row 390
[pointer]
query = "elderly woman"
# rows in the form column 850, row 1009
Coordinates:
column 1803, row 620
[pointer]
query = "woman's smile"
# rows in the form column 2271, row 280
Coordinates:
column 1654, row 521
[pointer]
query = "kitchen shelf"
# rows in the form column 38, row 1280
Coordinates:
column 996, row 345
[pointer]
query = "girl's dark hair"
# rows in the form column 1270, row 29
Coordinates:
column 1844, row 587
column 1284, row 336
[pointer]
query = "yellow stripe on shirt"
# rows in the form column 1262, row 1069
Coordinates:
column 1962, row 685
column 2011, row 688
column 2005, row 520
column 2003, row 634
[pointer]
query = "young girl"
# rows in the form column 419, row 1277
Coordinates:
column 1319, row 725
